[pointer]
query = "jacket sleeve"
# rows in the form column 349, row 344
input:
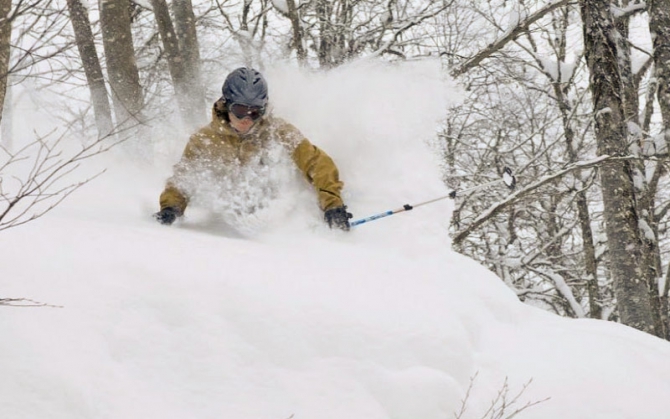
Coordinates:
column 321, row 172
column 172, row 196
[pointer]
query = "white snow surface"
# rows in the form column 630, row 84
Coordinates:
column 294, row 320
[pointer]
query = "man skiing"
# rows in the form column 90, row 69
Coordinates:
column 240, row 131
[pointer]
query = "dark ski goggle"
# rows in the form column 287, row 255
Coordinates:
column 244, row 111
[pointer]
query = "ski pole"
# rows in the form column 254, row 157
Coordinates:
column 508, row 179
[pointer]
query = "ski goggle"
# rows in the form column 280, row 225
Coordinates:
column 244, row 111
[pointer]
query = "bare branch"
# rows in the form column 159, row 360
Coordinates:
column 43, row 183
column 497, row 208
column 502, row 403
column 520, row 29
column 24, row 302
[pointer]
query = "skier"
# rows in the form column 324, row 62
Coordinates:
column 241, row 129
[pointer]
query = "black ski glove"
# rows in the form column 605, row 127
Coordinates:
column 167, row 215
column 338, row 217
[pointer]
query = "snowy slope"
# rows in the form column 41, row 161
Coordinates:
column 294, row 320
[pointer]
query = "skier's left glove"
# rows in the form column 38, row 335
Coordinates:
column 338, row 217
column 167, row 215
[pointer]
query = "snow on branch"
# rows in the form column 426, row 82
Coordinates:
column 509, row 35
column 281, row 6
column 625, row 12
column 427, row 13
column 500, row 206
column 563, row 288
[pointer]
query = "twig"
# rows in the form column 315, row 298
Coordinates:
column 24, row 302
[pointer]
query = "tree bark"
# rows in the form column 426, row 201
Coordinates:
column 323, row 10
column 189, row 97
column 581, row 200
column 645, row 197
column 5, row 39
column 189, row 48
column 124, row 79
column 294, row 17
column 659, row 26
column 602, row 49
column 89, row 58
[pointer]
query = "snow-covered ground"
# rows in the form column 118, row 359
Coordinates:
column 287, row 319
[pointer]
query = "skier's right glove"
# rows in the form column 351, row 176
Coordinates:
column 167, row 215
column 338, row 217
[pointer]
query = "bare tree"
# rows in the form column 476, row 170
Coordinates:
column 659, row 26
column 182, row 57
column 122, row 73
column 504, row 405
column 533, row 243
column 189, row 48
column 526, row 111
column 5, row 38
column 34, row 179
column 92, row 68
column 296, row 27
column 341, row 30
column 603, row 46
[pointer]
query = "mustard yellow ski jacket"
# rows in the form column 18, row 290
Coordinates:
column 220, row 144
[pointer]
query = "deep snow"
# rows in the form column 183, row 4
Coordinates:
column 288, row 319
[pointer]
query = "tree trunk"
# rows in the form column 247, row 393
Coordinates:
column 602, row 48
column 297, row 32
column 5, row 39
column 323, row 8
column 7, row 127
column 89, row 58
column 588, row 248
column 590, row 262
column 659, row 26
column 124, row 79
column 171, row 48
column 645, row 196
column 189, row 48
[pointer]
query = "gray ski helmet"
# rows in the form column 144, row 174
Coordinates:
column 245, row 86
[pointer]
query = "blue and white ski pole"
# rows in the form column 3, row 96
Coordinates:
column 508, row 179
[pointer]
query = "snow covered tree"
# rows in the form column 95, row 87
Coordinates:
column 334, row 32
column 559, row 249
column 659, row 26
column 527, row 108
column 603, row 49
